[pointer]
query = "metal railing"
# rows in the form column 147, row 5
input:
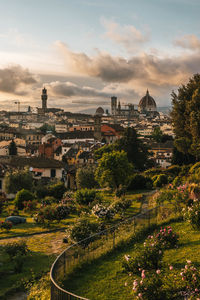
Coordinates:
column 98, row 244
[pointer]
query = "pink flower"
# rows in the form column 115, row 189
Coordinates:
column 158, row 271
column 140, row 295
column 171, row 267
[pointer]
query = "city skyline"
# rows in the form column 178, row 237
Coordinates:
column 86, row 51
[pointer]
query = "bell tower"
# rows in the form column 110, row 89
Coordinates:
column 44, row 99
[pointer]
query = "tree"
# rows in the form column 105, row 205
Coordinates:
column 12, row 148
column 21, row 197
column 186, row 118
column 46, row 127
column 57, row 190
column 113, row 169
column 157, row 135
column 137, row 151
column 85, row 178
column 18, row 180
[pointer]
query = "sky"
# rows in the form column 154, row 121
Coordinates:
column 85, row 51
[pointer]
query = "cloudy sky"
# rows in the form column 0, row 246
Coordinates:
column 85, row 51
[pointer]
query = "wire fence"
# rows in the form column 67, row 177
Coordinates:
column 98, row 244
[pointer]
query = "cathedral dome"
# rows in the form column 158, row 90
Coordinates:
column 99, row 111
column 147, row 103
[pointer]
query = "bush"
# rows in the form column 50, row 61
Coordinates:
column 85, row 178
column 192, row 214
column 30, row 205
column 16, row 247
column 85, row 196
column 57, row 190
column 165, row 238
column 82, row 230
column 152, row 172
column 18, row 180
column 48, row 200
column 147, row 258
column 195, row 168
column 21, row 197
column 49, row 214
column 150, row 287
column 160, row 180
column 121, row 205
column 6, row 225
column 190, row 275
column 41, row 191
column 121, row 191
column 174, row 170
column 138, row 182
column 2, row 203
column 103, row 212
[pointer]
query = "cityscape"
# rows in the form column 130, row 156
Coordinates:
column 100, row 150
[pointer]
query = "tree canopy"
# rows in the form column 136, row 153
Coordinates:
column 186, row 118
column 12, row 148
column 137, row 151
column 113, row 169
column 18, row 180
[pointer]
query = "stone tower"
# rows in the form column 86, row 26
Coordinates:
column 113, row 105
column 97, row 127
column 44, row 99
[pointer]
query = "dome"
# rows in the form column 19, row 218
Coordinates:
column 147, row 103
column 99, row 111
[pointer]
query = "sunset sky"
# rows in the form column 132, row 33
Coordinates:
column 84, row 51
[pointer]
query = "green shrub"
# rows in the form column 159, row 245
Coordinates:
column 18, row 180
column 16, row 247
column 2, row 203
column 192, row 214
column 147, row 258
column 174, row 170
column 85, row 178
column 6, row 225
column 48, row 200
column 152, row 172
column 120, row 205
column 82, row 230
column 150, row 287
column 178, row 180
column 103, row 212
column 160, row 180
column 57, row 190
column 85, row 196
column 41, row 191
column 139, row 182
column 21, row 197
column 165, row 238
column 195, row 168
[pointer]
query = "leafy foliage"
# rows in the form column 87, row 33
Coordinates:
column 12, row 148
column 113, row 169
column 82, row 230
column 186, row 117
column 21, row 197
column 18, row 180
column 57, row 190
column 85, row 196
column 138, row 181
column 85, row 178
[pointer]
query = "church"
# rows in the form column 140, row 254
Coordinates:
column 146, row 107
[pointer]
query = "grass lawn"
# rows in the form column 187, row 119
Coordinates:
column 31, row 227
column 104, row 279
column 44, row 249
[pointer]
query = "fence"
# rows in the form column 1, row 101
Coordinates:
column 96, row 245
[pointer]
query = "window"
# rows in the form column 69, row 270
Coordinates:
column 53, row 173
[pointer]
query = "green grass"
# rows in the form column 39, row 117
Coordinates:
column 30, row 227
column 104, row 279
column 44, row 249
